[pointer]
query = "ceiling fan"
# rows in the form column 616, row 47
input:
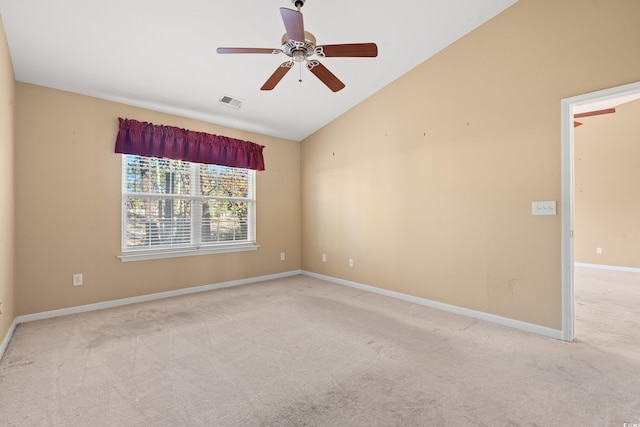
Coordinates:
column 300, row 46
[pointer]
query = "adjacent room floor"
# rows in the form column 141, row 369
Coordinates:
column 300, row 351
column 606, row 309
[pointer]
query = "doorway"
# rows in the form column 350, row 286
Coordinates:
column 599, row 100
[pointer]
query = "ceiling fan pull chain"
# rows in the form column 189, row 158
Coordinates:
column 300, row 79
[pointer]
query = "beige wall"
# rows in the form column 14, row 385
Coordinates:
column 607, row 195
column 7, row 282
column 428, row 184
column 68, row 214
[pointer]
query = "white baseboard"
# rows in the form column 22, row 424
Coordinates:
column 7, row 338
column 504, row 321
column 524, row 326
column 607, row 267
column 150, row 297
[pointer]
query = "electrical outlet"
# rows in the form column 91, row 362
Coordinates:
column 350, row 262
column 324, row 257
column 282, row 256
column 77, row 279
column 598, row 250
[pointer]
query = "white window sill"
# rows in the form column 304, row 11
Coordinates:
column 142, row 255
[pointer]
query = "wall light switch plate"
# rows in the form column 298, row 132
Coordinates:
column 543, row 208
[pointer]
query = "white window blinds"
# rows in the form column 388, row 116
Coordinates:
column 172, row 204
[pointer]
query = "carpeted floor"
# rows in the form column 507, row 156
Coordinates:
column 303, row 352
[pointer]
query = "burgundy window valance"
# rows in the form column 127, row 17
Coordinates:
column 149, row 140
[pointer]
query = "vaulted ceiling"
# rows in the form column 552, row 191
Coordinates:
column 161, row 54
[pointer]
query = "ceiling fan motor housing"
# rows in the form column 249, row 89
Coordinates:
column 299, row 50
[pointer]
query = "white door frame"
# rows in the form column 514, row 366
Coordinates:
column 569, row 107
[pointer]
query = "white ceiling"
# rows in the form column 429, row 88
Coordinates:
column 161, row 54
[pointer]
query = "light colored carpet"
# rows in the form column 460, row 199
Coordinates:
column 303, row 352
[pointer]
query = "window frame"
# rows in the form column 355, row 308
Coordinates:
column 195, row 246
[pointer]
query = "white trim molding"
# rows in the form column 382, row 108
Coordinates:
column 504, row 321
column 512, row 323
column 581, row 103
column 7, row 338
column 607, row 267
column 150, row 297
column 143, row 255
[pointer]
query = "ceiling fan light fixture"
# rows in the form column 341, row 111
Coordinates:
column 299, row 55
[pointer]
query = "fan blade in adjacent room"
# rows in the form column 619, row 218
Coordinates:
column 247, row 50
column 368, row 50
column 277, row 75
column 595, row 113
column 293, row 23
column 326, row 76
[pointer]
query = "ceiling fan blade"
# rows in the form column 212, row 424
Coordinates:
column 595, row 113
column 277, row 75
column 368, row 50
column 326, row 76
column 293, row 23
column 247, row 50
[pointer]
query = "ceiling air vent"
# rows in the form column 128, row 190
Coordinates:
column 231, row 101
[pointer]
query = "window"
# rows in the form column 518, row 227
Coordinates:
column 176, row 208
